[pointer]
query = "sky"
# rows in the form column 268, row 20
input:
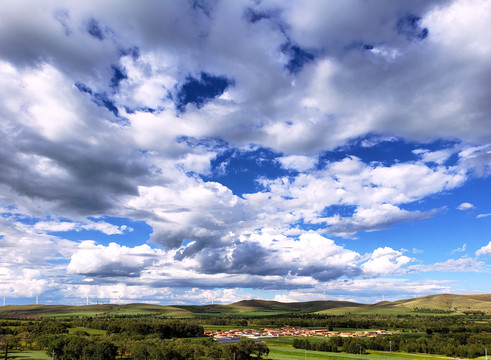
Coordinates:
column 190, row 152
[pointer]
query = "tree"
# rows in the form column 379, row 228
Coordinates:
column 260, row 349
column 141, row 350
column 27, row 338
column 336, row 341
column 354, row 346
column 6, row 342
column 75, row 347
column 244, row 350
column 104, row 350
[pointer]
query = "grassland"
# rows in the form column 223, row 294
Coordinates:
column 282, row 353
column 443, row 304
column 60, row 311
column 277, row 352
column 28, row 355
column 87, row 330
column 439, row 304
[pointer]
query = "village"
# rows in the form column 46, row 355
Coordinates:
column 236, row 334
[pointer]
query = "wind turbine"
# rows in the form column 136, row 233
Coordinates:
column 37, row 298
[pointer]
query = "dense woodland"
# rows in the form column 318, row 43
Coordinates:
column 154, row 337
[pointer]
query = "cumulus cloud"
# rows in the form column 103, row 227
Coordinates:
column 374, row 191
column 26, row 266
column 384, row 261
column 191, row 209
column 114, row 260
column 262, row 260
column 485, row 250
column 23, row 283
column 272, row 253
column 465, row 206
column 297, row 162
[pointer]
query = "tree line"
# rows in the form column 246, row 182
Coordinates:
column 464, row 345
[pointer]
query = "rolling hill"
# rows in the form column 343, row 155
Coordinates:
column 447, row 302
column 431, row 304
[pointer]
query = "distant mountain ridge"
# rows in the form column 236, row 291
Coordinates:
column 436, row 304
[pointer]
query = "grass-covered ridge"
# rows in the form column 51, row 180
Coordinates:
column 431, row 304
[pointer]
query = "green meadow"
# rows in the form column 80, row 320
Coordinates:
column 278, row 352
column 28, row 355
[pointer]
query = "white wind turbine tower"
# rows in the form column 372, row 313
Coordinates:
column 37, row 298
column 4, row 301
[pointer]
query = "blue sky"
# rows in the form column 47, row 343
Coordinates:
column 196, row 151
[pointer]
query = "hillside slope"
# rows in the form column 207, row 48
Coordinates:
column 431, row 304
column 448, row 302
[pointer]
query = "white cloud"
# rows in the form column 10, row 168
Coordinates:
column 476, row 159
column 23, row 282
column 118, row 292
column 191, row 209
column 298, row 162
column 114, row 260
column 461, row 249
column 384, row 261
column 465, row 206
column 372, row 289
column 485, row 250
column 438, row 157
column 64, row 226
column 463, row 264
column 374, row 191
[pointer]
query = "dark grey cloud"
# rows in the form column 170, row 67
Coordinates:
column 245, row 258
column 327, row 272
column 253, row 282
column 93, row 180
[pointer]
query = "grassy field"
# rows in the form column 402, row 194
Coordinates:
column 282, row 353
column 87, row 330
column 278, row 352
column 28, row 355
